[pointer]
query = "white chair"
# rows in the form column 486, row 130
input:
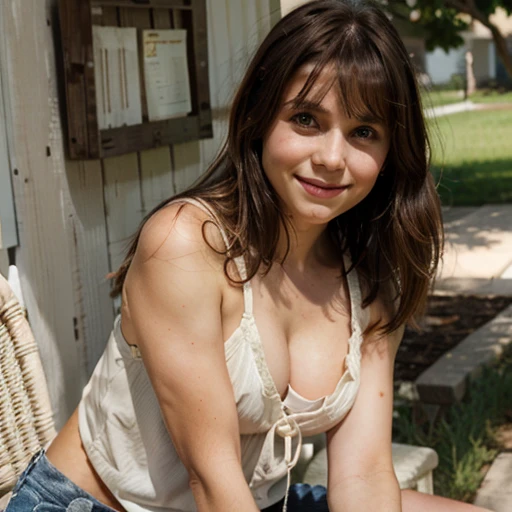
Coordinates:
column 414, row 466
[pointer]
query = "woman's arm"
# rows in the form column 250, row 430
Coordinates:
column 172, row 302
column 361, row 477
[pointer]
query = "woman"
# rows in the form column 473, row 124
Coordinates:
column 268, row 301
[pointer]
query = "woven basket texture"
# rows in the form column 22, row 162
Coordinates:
column 26, row 421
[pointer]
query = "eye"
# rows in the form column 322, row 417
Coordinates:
column 304, row 120
column 365, row 132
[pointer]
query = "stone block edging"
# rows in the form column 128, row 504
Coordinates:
column 445, row 382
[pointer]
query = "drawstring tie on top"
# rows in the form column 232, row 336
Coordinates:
column 287, row 428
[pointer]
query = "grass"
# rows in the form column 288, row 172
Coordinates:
column 438, row 98
column 472, row 157
column 491, row 96
column 466, row 437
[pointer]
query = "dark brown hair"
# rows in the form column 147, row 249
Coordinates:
column 394, row 235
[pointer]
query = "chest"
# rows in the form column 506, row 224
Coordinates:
column 304, row 323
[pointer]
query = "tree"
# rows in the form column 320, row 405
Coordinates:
column 442, row 21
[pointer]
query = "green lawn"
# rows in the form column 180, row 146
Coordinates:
column 491, row 97
column 472, row 157
column 437, row 98
column 466, row 437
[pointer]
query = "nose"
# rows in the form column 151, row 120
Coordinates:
column 330, row 151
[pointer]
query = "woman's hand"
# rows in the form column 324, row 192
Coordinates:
column 172, row 302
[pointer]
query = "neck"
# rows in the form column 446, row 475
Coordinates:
column 309, row 247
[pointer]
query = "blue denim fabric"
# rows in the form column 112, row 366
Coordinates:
column 304, row 498
column 43, row 488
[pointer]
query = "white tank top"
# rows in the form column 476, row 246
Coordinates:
column 124, row 435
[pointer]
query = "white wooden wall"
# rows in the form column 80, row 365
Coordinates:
column 137, row 182
column 45, row 209
column 75, row 218
column 8, row 232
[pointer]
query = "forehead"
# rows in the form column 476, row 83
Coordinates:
column 359, row 96
column 317, row 89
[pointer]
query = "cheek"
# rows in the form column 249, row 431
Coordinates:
column 367, row 165
column 282, row 149
column 275, row 152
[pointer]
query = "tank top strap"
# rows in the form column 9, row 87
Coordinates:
column 359, row 320
column 239, row 262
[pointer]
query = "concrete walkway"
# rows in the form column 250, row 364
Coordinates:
column 478, row 259
column 452, row 108
column 478, row 251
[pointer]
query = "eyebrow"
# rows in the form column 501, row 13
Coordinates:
column 316, row 107
column 368, row 118
column 307, row 105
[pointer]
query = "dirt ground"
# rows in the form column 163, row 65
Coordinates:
column 448, row 321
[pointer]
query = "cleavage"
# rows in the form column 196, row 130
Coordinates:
column 304, row 331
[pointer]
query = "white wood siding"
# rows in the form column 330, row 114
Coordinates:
column 76, row 218
column 8, row 234
column 46, row 257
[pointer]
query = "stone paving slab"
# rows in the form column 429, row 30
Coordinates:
column 478, row 245
column 496, row 490
column 446, row 380
column 452, row 214
column 475, row 286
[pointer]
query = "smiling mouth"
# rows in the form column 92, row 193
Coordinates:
column 320, row 184
column 319, row 189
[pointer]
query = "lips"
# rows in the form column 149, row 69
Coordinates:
column 320, row 184
column 320, row 189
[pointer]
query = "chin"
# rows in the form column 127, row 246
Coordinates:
column 316, row 215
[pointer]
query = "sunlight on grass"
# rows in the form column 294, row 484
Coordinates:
column 491, row 97
column 472, row 157
column 438, row 98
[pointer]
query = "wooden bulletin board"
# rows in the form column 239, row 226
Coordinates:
column 77, row 19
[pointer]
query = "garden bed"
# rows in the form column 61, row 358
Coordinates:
column 448, row 321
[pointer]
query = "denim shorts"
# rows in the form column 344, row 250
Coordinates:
column 43, row 488
column 303, row 498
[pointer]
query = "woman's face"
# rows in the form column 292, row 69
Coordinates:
column 321, row 162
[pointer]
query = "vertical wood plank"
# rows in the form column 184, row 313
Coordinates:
column 92, row 262
column 8, row 230
column 264, row 17
column 219, row 51
column 123, row 203
column 162, row 18
column 187, row 165
column 156, row 177
column 77, row 47
column 140, row 19
column 45, row 257
column 109, row 17
column 4, row 263
column 156, row 165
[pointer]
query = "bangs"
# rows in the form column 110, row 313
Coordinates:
column 363, row 83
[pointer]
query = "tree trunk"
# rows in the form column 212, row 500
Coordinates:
column 469, row 7
column 502, row 49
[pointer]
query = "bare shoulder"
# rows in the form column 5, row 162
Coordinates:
column 176, row 274
column 182, row 234
column 381, row 311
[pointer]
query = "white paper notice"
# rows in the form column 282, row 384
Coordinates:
column 166, row 74
column 116, row 63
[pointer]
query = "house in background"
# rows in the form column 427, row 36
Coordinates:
column 487, row 68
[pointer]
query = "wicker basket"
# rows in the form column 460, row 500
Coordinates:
column 26, row 421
